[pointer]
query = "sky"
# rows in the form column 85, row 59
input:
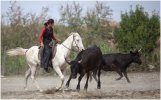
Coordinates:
column 54, row 7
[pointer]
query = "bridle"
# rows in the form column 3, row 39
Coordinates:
column 75, row 42
column 72, row 44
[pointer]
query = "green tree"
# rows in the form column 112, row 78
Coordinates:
column 98, row 18
column 71, row 16
column 97, row 21
column 138, row 30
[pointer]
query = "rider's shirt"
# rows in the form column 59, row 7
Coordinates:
column 46, row 35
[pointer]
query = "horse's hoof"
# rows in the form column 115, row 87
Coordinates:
column 66, row 89
column 63, row 91
column 41, row 90
column 57, row 89
column 26, row 89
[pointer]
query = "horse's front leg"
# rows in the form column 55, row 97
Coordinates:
column 57, row 69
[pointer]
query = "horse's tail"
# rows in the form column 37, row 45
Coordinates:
column 17, row 51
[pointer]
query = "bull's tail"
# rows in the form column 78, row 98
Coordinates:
column 90, row 77
column 17, row 51
column 93, row 74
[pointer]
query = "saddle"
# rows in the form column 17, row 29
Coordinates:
column 53, row 45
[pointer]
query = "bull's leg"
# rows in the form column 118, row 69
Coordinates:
column 86, row 85
column 115, row 68
column 125, row 74
column 57, row 69
column 68, row 82
column 79, row 80
column 27, row 74
column 99, row 82
column 120, row 73
column 119, row 77
column 33, row 72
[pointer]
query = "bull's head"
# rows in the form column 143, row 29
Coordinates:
column 136, row 56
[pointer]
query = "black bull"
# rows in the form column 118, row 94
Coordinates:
column 85, row 62
column 119, row 62
column 113, row 62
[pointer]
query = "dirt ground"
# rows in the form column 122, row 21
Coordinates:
column 142, row 86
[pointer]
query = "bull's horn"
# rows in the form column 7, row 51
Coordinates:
column 80, row 61
column 67, row 61
column 139, row 50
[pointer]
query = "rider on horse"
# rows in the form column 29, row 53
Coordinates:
column 45, row 38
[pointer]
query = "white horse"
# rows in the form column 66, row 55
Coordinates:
column 74, row 41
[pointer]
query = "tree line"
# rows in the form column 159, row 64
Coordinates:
column 136, row 30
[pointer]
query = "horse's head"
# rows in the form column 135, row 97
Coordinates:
column 77, row 42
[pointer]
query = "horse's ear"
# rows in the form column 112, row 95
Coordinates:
column 70, row 33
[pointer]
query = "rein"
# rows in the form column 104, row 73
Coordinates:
column 69, row 48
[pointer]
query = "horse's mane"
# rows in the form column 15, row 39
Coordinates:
column 74, row 33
